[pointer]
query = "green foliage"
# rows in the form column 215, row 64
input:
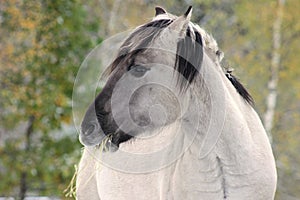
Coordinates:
column 49, row 165
column 49, row 45
column 42, row 46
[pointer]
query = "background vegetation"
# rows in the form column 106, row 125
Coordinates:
column 42, row 44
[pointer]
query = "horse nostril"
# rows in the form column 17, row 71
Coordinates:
column 91, row 129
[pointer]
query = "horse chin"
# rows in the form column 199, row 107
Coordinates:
column 91, row 139
column 107, row 142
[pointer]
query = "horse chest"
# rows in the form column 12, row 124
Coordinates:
column 187, row 178
column 184, row 179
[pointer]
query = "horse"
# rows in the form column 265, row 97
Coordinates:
column 172, row 123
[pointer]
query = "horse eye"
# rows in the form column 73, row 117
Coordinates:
column 137, row 70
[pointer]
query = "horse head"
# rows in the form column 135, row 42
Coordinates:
column 145, row 81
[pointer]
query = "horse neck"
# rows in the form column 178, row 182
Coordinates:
column 233, row 122
column 215, row 100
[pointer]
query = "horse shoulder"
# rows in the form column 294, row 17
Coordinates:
column 246, row 155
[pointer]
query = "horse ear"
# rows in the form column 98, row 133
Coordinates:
column 159, row 11
column 188, row 13
column 180, row 24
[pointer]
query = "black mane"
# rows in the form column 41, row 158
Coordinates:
column 189, row 60
column 189, row 57
column 240, row 88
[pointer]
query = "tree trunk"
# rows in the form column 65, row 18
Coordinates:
column 23, row 180
column 275, row 63
column 113, row 16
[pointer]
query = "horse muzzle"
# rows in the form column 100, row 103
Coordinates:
column 91, row 134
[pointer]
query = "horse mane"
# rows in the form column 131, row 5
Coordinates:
column 189, row 54
column 240, row 88
column 193, row 53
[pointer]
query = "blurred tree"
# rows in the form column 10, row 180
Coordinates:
column 118, row 16
column 267, row 63
column 42, row 46
column 274, row 69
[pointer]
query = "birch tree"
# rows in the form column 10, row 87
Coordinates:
column 274, row 69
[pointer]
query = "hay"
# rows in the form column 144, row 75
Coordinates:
column 70, row 191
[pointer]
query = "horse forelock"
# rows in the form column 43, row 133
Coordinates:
column 138, row 41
